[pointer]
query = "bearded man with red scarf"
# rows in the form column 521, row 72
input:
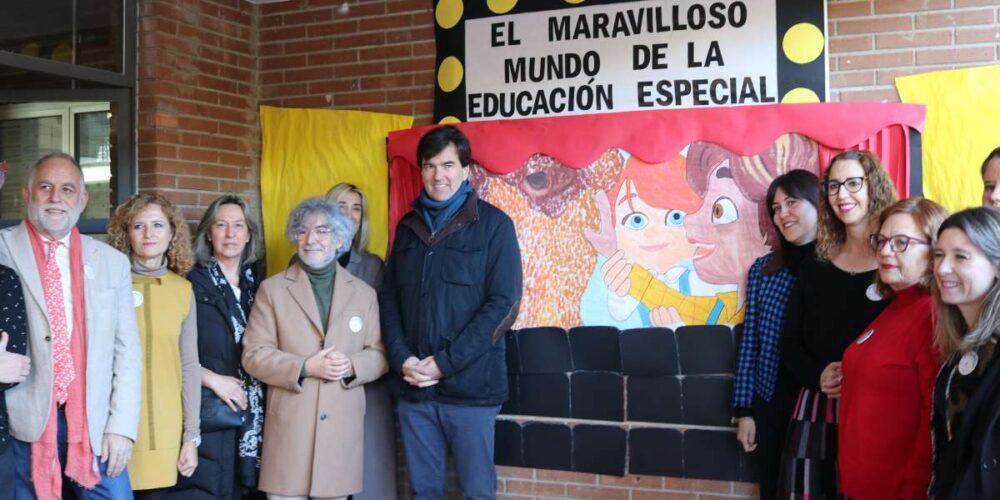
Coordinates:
column 76, row 415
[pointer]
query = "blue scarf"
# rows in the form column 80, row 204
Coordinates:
column 437, row 213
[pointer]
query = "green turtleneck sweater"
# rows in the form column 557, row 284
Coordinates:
column 322, row 285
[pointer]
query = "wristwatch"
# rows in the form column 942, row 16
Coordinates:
column 196, row 441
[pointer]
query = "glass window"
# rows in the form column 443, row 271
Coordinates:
column 67, row 83
column 30, row 131
column 82, row 32
column 92, row 148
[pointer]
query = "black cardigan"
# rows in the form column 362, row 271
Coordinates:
column 968, row 466
column 827, row 310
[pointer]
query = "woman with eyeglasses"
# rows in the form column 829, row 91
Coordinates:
column 884, row 441
column 314, row 338
column 831, row 303
column 966, row 408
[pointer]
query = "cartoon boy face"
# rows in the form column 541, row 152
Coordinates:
column 726, row 230
column 652, row 237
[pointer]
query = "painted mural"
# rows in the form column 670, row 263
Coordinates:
column 651, row 219
column 629, row 243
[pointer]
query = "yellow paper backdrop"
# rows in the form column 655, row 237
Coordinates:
column 306, row 151
column 961, row 129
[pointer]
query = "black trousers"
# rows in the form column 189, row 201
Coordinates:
column 771, row 419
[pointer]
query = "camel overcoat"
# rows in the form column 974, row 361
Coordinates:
column 313, row 429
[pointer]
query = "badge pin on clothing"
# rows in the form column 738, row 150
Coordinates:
column 355, row 324
column 137, row 298
column 968, row 362
column 865, row 336
column 872, row 293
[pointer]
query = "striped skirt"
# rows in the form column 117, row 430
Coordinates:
column 808, row 469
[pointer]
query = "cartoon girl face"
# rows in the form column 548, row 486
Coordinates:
column 651, row 237
column 725, row 230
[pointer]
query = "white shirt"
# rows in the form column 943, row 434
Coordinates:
column 62, row 260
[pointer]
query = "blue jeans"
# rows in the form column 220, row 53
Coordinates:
column 7, row 472
column 431, row 429
column 110, row 488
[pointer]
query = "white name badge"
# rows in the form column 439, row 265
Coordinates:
column 968, row 363
column 872, row 293
column 355, row 324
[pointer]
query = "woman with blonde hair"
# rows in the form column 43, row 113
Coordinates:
column 884, row 436
column 380, row 438
column 832, row 301
column 966, row 409
column 228, row 246
column 152, row 232
column 357, row 260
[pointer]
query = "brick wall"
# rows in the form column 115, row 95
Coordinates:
column 521, row 484
column 873, row 42
column 518, row 483
column 378, row 57
column 205, row 65
column 198, row 135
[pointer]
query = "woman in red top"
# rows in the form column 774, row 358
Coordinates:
column 888, row 372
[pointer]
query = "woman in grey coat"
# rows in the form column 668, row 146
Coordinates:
column 380, row 439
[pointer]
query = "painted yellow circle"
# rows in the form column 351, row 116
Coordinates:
column 30, row 49
column 802, row 43
column 799, row 94
column 449, row 119
column 450, row 73
column 500, row 6
column 574, row 2
column 448, row 13
column 62, row 53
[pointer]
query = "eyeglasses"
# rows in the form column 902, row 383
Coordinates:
column 898, row 243
column 321, row 232
column 853, row 185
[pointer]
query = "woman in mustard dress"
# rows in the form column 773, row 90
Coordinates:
column 152, row 232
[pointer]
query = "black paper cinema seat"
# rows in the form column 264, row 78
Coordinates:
column 595, row 348
column 631, row 398
column 543, row 350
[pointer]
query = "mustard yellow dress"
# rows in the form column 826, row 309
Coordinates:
column 169, row 412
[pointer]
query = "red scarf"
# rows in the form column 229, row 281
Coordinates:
column 81, row 464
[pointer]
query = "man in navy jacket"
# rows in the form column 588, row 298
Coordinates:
column 451, row 291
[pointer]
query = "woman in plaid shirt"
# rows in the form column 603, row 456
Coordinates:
column 764, row 393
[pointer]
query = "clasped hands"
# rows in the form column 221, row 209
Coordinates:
column 421, row 372
column 329, row 364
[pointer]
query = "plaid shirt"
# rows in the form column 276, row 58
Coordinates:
column 757, row 361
